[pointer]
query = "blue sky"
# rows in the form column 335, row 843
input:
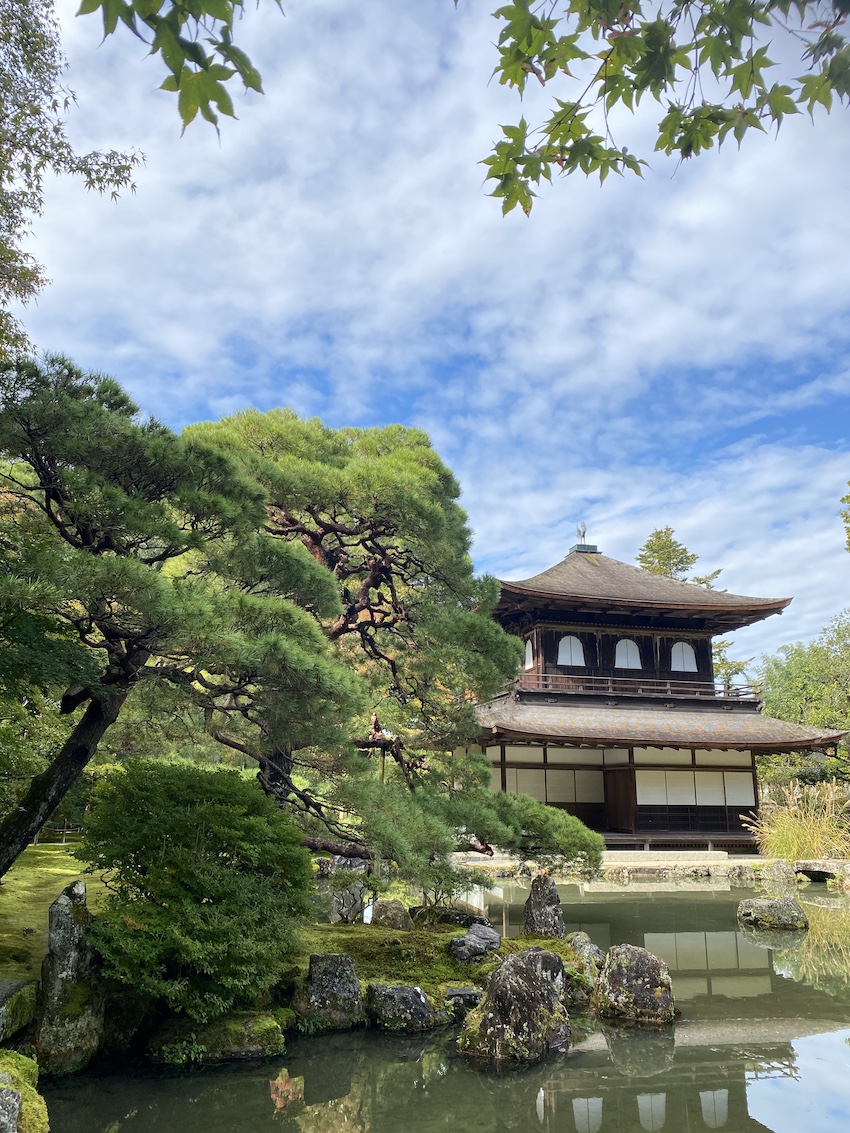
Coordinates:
column 666, row 351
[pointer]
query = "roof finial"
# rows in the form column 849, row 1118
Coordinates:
column 581, row 531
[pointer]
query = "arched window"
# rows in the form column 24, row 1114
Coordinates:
column 627, row 655
column 529, row 654
column 570, row 651
column 683, row 659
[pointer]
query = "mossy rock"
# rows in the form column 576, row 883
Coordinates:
column 24, row 1074
column 237, row 1037
column 19, row 1009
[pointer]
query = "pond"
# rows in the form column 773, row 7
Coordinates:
column 762, row 1044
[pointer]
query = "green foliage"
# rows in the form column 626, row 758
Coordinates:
column 209, row 882
column 706, row 65
column 803, row 821
column 663, row 554
column 146, row 548
column 810, row 683
column 33, row 144
column 726, row 670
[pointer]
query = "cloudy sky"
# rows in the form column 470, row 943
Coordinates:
column 668, row 351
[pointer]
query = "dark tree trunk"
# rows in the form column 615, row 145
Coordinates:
column 338, row 849
column 48, row 789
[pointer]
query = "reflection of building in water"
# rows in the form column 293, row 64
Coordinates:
column 700, row 943
column 705, row 1094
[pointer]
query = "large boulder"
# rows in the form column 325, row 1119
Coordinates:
column 330, row 999
column 401, row 1008
column 342, row 886
column 475, row 943
column 71, row 1027
column 391, row 914
column 522, row 1016
column 635, row 986
column 775, row 913
column 543, row 916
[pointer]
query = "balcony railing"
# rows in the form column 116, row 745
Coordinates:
column 634, row 686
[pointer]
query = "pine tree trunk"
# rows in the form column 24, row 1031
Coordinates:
column 48, row 789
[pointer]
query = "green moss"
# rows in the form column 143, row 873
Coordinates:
column 20, row 1008
column 77, row 996
column 24, row 1074
column 183, row 1041
column 419, row 957
column 26, row 893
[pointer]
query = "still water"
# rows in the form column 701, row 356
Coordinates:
column 762, row 1044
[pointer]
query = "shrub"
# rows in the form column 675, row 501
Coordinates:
column 208, row 884
column 800, row 821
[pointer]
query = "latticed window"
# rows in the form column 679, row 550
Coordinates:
column 570, row 651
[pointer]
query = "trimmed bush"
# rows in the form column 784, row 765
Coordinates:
column 209, row 883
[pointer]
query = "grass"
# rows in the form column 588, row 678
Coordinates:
column 804, row 822
column 26, row 893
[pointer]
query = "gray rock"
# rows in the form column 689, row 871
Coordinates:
column 460, row 1000
column 440, row 914
column 589, row 954
column 474, row 945
column 742, row 876
column 342, row 888
column 543, row 916
column 18, row 1005
column 10, row 1109
column 522, row 1017
column 331, row 998
column 778, row 876
column 391, row 914
column 634, row 985
column 402, row 1008
column 820, row 869
column 71, row 1027
column 782, row 913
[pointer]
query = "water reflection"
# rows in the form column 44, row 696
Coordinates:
column 761, row 1040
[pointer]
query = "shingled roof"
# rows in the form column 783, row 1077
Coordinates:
column 604, row 725
column 590, row 580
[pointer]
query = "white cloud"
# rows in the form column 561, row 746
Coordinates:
column 336, row 252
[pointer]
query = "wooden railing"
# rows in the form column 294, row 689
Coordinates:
column 633, row 686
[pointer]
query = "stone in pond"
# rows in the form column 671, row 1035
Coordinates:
column 782, row 913
column 402, row 1008
column 331, row 998
column 71, row 1027
column 589, row 954
column 522, row 1016
column 634, row 985
column 543, row 916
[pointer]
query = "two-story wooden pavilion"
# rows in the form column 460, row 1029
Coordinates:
column 617, row 717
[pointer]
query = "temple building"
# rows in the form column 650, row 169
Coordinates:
column 617, row 717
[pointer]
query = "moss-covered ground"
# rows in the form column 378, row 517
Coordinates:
column 26, row 893
column 420, row 956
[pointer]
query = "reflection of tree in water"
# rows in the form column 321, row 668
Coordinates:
column 631, row 1081
column 822, row 959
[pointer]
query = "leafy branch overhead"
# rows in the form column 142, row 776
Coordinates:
column 705, row 61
